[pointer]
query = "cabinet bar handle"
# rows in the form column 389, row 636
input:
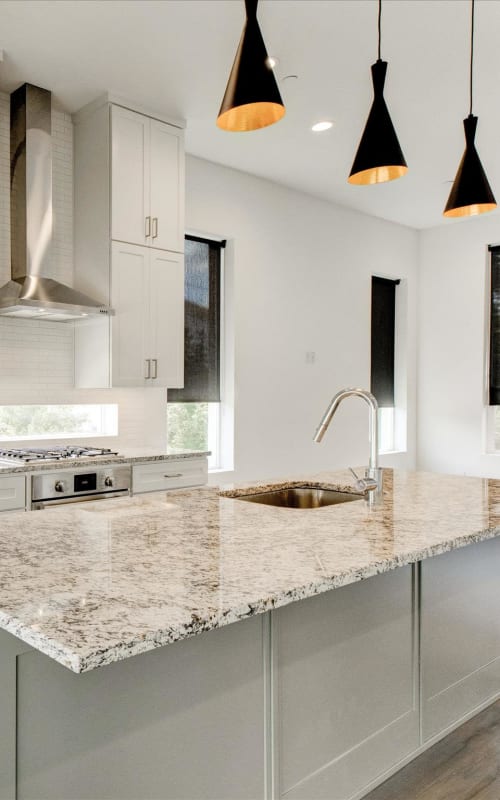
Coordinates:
column 147, row 232
column 154, row 362
column 155, row 227
column 147, row 362
column 173, row 475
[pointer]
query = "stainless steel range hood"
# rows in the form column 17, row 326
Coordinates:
column 31, row 293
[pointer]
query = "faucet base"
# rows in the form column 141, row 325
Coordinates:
column 374, row 497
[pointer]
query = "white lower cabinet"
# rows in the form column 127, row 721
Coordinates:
column 460, row 635
column 160, row 475
column 346, row 683
column 12, row 493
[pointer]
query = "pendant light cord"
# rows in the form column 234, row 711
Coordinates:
column 471, row 53
column 380, row 25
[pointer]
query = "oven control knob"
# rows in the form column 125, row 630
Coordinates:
column 59, row 486
column 108, row 481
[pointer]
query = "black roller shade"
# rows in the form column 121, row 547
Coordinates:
column 494, row 389
column 382, row 340
column 202, row 287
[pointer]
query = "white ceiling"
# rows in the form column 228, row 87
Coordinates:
column 174, row 56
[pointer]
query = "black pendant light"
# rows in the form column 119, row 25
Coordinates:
column 252, row 99
column 471, row 193
column 379, row 157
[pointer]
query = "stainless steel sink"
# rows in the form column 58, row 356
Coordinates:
column 301, row 497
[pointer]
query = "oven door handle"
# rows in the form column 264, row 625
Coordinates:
column 41, row 505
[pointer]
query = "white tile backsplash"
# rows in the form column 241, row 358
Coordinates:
column 36, row 358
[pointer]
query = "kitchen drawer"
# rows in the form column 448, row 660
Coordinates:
column 12, row 492
column 160, row 475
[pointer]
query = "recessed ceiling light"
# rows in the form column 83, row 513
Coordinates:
column 322, row 126
column 272, row 62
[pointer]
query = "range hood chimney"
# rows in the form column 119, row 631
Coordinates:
column 31, row 293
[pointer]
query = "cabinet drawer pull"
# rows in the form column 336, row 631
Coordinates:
column 155, row 227
column 147, row 362
column 147, row 232
column 173, row 475
column 154, row 362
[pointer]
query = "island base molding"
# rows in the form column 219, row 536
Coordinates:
column 322, row 699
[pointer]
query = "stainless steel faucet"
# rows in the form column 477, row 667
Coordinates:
column 371, row 484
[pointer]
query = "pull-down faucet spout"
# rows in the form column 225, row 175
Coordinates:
column 373, row 477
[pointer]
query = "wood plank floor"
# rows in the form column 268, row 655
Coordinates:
column 464, row 766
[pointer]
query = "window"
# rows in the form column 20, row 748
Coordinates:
column 51, row 422
column 197, row 413
column 494, row 355
column 493, row 383
column 383, row 379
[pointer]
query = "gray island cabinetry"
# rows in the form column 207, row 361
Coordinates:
column 353, row 648
column 194, row 720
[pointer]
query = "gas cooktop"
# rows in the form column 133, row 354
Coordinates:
column 59, row 453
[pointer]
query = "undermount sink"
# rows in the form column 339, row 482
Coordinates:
column 301, row 497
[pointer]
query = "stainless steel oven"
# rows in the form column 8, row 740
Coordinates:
column 76, row 486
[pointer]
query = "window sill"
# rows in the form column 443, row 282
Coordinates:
column 55, row 437
column 217, row 470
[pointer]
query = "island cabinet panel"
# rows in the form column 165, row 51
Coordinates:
column 10, row 649
column 460, row 634
column 184, row 722
column 346, row 665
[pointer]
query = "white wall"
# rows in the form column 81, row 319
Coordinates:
column 302, row 282
column 451, row 344
column 36, row 358
column 301, row 270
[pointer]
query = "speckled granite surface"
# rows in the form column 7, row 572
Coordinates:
column 98, row 582
column 125, row 457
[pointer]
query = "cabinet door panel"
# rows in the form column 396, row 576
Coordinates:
column 181, row 723
column 460, row 634
column 167, row 318
column 167, row 186
column 12, row 492
column 347, row 687
column 10, row 648
column 129, row 294
column 130, row 176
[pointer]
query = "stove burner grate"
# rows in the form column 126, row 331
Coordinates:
column 58, row 453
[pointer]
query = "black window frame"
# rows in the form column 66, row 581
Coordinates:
column 199, row 387
column 383, row 340
column 494, row 328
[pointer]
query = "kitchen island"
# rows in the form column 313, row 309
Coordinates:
column 313, row 694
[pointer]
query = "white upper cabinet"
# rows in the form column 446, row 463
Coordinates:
column 130, row 325
column 129, row 240
column 147, row 181
column 148, row 326
column 166, row 187
column 129, row 176
column 166, row 316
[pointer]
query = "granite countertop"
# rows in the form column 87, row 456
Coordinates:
column 124, row 457
column 98, row 582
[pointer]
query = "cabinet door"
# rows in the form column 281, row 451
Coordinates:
column 460, row 635
column 182, row 722
column 167, row 187
column 130, row 169
column 129, row 298
column 166, row 336
column 346, row 687
column 12, row 492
